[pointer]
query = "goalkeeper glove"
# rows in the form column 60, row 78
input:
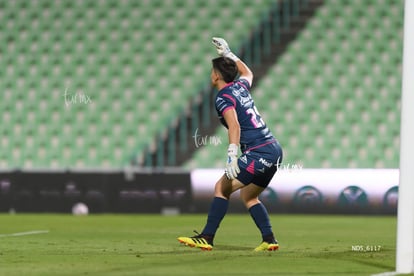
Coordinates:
column 232, row 168
column 223, row 48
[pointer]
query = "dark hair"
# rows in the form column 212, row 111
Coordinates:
column 226, row 67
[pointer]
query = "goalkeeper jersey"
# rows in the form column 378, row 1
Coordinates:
column 253, row 130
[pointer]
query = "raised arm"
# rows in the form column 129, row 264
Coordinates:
column 244, row 71
column 223, row 50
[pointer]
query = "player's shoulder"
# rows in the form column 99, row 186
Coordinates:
column 243, row 82
column 235, row 85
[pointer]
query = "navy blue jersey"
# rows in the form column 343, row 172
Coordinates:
column 253, row 130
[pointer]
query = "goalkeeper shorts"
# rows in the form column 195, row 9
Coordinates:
column 259, row 165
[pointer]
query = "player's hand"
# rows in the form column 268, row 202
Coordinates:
column 222, row 47
column 232, row 168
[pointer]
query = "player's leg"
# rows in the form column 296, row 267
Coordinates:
column 250, row 196
column 265, row 162
column 218, row 209
column 225, row 187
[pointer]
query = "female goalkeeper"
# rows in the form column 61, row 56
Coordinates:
column 261, row 152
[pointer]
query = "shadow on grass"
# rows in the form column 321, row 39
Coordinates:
column 184, row 250
column 234, row 248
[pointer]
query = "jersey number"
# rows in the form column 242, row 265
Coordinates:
column 256, row 119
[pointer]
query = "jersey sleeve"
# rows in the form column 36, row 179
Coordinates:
column 224, row 102
column 244, row 83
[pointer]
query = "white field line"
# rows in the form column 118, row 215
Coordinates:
column 34, row 232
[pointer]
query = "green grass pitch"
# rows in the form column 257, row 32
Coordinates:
column 147, row 245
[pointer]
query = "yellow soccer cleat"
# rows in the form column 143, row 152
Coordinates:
column 197, row 241
column 265, row 246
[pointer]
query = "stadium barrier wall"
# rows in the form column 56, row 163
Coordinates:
column 350, row 191
column 172, row 191
column 102, row 191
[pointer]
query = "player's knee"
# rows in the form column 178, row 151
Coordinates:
column 222, row 194
column 223, row 189
column 249, row 201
